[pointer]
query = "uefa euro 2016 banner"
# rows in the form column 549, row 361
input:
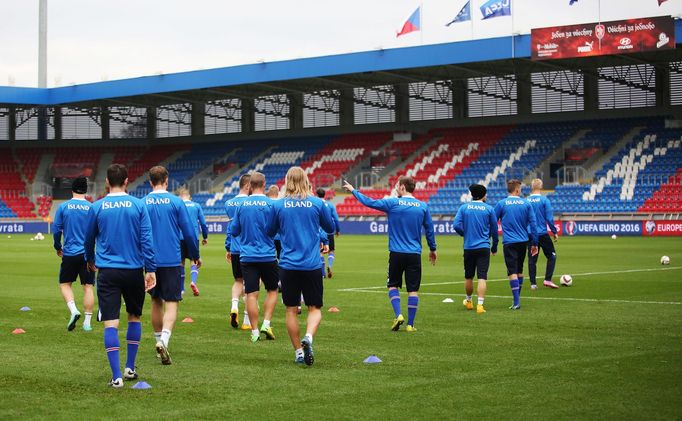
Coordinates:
column 594, row 39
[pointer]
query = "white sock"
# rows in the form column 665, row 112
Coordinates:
column 480, row 301
column 157, row 336
column 468, row 297
column 88, row 317
column 299, row 353
column 266, row 324
column 72, row 307
column 310, row 337
column 235, row 304
column 165, row 337
column 255, row 332
column 246, row 319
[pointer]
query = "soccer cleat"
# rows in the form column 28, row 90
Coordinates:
column 195, row 289
column 480, row 309
column 533, row 287
column 72, row 321
column 329, row 273
column 299, row 361
column 245, row 327
column 550, row 284
column 308, row 357
column 116, row 383
column 255, row 338
column 129, row 374
column 514, row 307
column 162, row 352
column 468, row 304
column 269, row 335
column 410, row 328
column 234, row 318
column 397, row 322
column 87, row 328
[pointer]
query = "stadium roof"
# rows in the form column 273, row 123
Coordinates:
column 451, row 60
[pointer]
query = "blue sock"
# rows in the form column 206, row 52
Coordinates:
column 331, row 259
column 111, row 345
column 514, row 284
column 182, row 277
column 394, row 296
column 194, row 274
column 322, row 260
column 412, row 304
column 520, row 278
column 133, row 337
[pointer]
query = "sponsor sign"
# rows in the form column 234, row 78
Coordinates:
column 23, row 227
column 595, row 39
column 662, row 228
column 602, row 228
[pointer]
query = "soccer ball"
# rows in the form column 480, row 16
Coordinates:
column 614, row 236
column 665, row 260
column 566, row 280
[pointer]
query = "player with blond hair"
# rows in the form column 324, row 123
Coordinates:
column 196, row 216
column 544, row 218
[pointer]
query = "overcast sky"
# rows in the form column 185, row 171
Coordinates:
column 94, row 40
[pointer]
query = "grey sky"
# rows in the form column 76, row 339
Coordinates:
column 93, row 40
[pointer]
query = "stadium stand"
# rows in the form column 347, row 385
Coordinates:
column 15, row 203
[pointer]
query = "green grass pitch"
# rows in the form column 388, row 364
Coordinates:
column 608, row 347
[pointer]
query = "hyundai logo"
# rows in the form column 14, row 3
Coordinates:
column 625, row 41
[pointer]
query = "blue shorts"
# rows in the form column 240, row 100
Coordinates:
column 114, row 283
column 168, row 284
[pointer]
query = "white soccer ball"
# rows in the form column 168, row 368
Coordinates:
column 566, row 280
column 614, row 236
column 665, row 260
column 9, row 236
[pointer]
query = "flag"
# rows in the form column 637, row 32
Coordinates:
column 571, row 2
column 496, row 8
column 463, row 15
column 660, row 2
column 412, row 24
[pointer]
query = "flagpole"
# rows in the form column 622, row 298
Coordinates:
column 511, row 10
column 421, row 26
column 471, row 18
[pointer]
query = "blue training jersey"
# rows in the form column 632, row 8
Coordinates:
column 71, row 219
column 196, row 216
column 324, row 236
column 251, row 222
column 231, row 242
column 518, row 220
column 406, row 218
column 298, row 222
column 170, row 224
column 119, row 225
column 544, row 216
column 335, row 216
column 476, row 222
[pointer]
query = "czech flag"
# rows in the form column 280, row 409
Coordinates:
column 412, row 24
column 660, row 2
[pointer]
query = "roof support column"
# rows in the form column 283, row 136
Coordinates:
column 347, row 108
column 524, row 99
column 662, row 86
column 12, row 126
column 460, row 109
column 104, row 121
column 248, row 117
column 591, row 84
column 402, row 103
column 42, row 122
column 151, row 123
column 295, row 111
column 57, row 123
column 198, row 112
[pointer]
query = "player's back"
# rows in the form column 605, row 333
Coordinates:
column 72, row 219
column 164, row 212
column 478, row 219
column 515, row 214
column 540, row 206
column 230, row 210
column 194, row 211
column 406, row 218
column 254, row 216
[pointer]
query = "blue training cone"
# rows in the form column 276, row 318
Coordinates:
column 141, row 385
column 372, row 359
column 25, row 308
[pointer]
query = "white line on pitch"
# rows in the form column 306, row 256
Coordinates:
column 506, row 279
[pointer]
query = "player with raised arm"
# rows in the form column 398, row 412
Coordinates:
column 170, row 223
column 544, row 218
column 71, row 219
column 196, row 216
column 476, row 222
column 518, row 218
column 407, row 217
column 337, row 231
column 119, row 226
column 232, row 250
column 298, row 217
column 258, row 261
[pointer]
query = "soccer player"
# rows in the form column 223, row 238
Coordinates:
column 298, row 218
column 258, row 260
column 232, row 253
column 406, row 218
column 273, row 194
column 196, row 215
column 170, row 223
column 119, row 224
column 337, row 230
column 71, row 219
column 518, row 218
column 476, row 222
column 544, row 218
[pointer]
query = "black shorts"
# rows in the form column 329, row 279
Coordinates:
column 278, row 247
column 545, row 244
column 331, row 242
column 408, row 263
column 297, row 282
column 476, row 261
column 254, row 272
column 514, row 256
column 183, row 250
column 236, row 267
column 75, row 267
column 168, row 284
column 114, row 283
